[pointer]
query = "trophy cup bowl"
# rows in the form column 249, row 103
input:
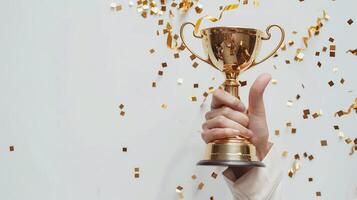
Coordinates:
column 232, row 50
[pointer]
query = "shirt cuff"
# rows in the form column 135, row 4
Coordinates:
column 260, row 182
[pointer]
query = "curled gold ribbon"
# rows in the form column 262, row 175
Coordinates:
column 213, row 19
column 341, row 112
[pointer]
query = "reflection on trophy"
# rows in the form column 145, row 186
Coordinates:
column 232, row 50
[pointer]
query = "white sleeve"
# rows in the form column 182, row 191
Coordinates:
column 260, row 183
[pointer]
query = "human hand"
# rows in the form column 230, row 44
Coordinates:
column 229, row 117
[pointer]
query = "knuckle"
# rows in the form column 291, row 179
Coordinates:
column 204, row 125
column 221, row 120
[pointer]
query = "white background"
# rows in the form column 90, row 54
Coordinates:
column 65, row 66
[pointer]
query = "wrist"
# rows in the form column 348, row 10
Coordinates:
column 263, row 150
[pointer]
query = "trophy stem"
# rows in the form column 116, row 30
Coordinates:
column 232, row 87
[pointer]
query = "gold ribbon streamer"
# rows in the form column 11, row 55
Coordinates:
column 354, row 52
column 213, row 19
column 341, row 112
column 299, row 56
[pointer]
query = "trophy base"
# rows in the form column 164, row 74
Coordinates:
column 233, row 152
column 231, row 163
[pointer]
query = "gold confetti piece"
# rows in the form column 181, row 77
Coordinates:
column 211, row 198
column 242, row 83
column 136, row 172
column 213, row 19
column 180, row 81
column 290, row 43
column 296, row 166
column 290, row 173
column 121, row 106
column 311, row 157
column 289, row 103
column 195, row 85
column 305, row 154
column 153, row 84
column 193, row 177
column 341, row 112
column 342, row 81
column 124, row 149
column 323, row 143
column 214, row 175
column 312, row 30
column 179, row 191
column 274, row 81
column 293, row 130
column 176, row 55
column 330, row 83
column 331, row 39
column 319, row 64
column 164, row 106
column 277, row 132
column 350, row 22
column 12, row 148
column 200, row 186
column 152, row 51
column 341, row 135
column 288, row 124
column 287, row 62
column 317, row 53
column 116, row 7
column 195, row 65
column 348, row 140
column 310, row 179
column 324, row 49
column 193, row 98
column 122, row 113
column 160, row 73
column 284, row 154
column 318, row 194
column 283, row 47
column 353, row 51
column 297, row 97
column 297, row 156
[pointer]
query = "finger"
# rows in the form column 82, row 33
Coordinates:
column 222, row 98
column 218, row 133
column 223, row 122
column 256, row 102
column 229, row 113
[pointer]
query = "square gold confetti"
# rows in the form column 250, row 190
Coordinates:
column 121, row 106
column 176, row 55
column 350, row 22
column 11, row 148
column 319, row 64
column 160, row 73
column 310, row 179
column 192, row 57
column 331, row 83
column 163, row 65
column 305, row 155
column 318, row 194
column 195, row 85
column 125, row 149
column 152, row 51
column 195, row 65
column 153, row 84
column 297, row 157
column 277, row 132
column 287, row 62
column 284, row 154
column 323, row 143
column 348, row 140
column 317, row 53
column 214, row 175
column 164, row 106
column 193, row 177
column 200, row 186
column 193, row 98
column 293, row 130
column 311, row 157
column 331, row 39
column 122, row 113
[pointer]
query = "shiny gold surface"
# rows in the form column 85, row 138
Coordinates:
column 232, row 50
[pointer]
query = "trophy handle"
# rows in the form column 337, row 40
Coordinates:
column 267, row 38
column 196, row 36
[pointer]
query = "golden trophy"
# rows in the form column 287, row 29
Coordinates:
column 232, row 50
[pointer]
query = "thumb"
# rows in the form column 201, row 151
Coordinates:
column 256, row 102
